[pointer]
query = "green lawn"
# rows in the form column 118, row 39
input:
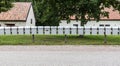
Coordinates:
column 58, row 40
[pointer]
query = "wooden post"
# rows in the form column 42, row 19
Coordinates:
column 65, row 38
column 90, row 30
column 33, row 38
column 118, row 30
column 105, row 36
column 97, row 31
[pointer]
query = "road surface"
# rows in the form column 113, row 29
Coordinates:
column 59, row 56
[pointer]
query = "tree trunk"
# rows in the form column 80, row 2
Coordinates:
column 105, row 36
column 82, row 24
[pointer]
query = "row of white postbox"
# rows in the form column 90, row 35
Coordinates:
column 59, row 30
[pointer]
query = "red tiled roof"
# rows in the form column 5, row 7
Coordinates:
column 113, row 15
column 19, row 11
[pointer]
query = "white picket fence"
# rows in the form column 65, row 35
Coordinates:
column 59, row 30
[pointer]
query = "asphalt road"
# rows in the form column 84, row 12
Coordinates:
column 63, row 57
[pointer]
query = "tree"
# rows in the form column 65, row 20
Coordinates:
column 5, row 5
column 46, row 14
column 83, row 10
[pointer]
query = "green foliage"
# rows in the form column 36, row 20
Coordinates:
column 5, row 5
column 46, row 15
column 84, row 10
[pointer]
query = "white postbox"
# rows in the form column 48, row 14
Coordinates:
column 34, row 30
column 14, row 30
column 74, row 30
column 54, row 30
column 115, row 30
column 7, row 30
column 1, row 30
column 94, row 30
column 108, row 31
column 80, row 30
column 40, row 29
column 47, row 30
column 27, row 30
column 21, row 30
column 87, row 30
column 60, row 30
column 67, row 30
column 101, row 30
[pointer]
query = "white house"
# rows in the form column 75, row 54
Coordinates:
column 113, row 20
column 21, row 14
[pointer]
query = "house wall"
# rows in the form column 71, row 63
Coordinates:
column 30, row 18
column 90, row 23
column 3, row 24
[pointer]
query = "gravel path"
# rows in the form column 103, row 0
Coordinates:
column 69, row 55
column 61, row 48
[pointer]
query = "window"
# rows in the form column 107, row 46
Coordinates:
column 76, row 25
column 104, row 25
column 107, row 25
column 101, row 25
column 10, row 25
column 31, row 21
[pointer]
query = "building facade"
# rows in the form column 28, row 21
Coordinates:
column 113, row 20
column 21, row 14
